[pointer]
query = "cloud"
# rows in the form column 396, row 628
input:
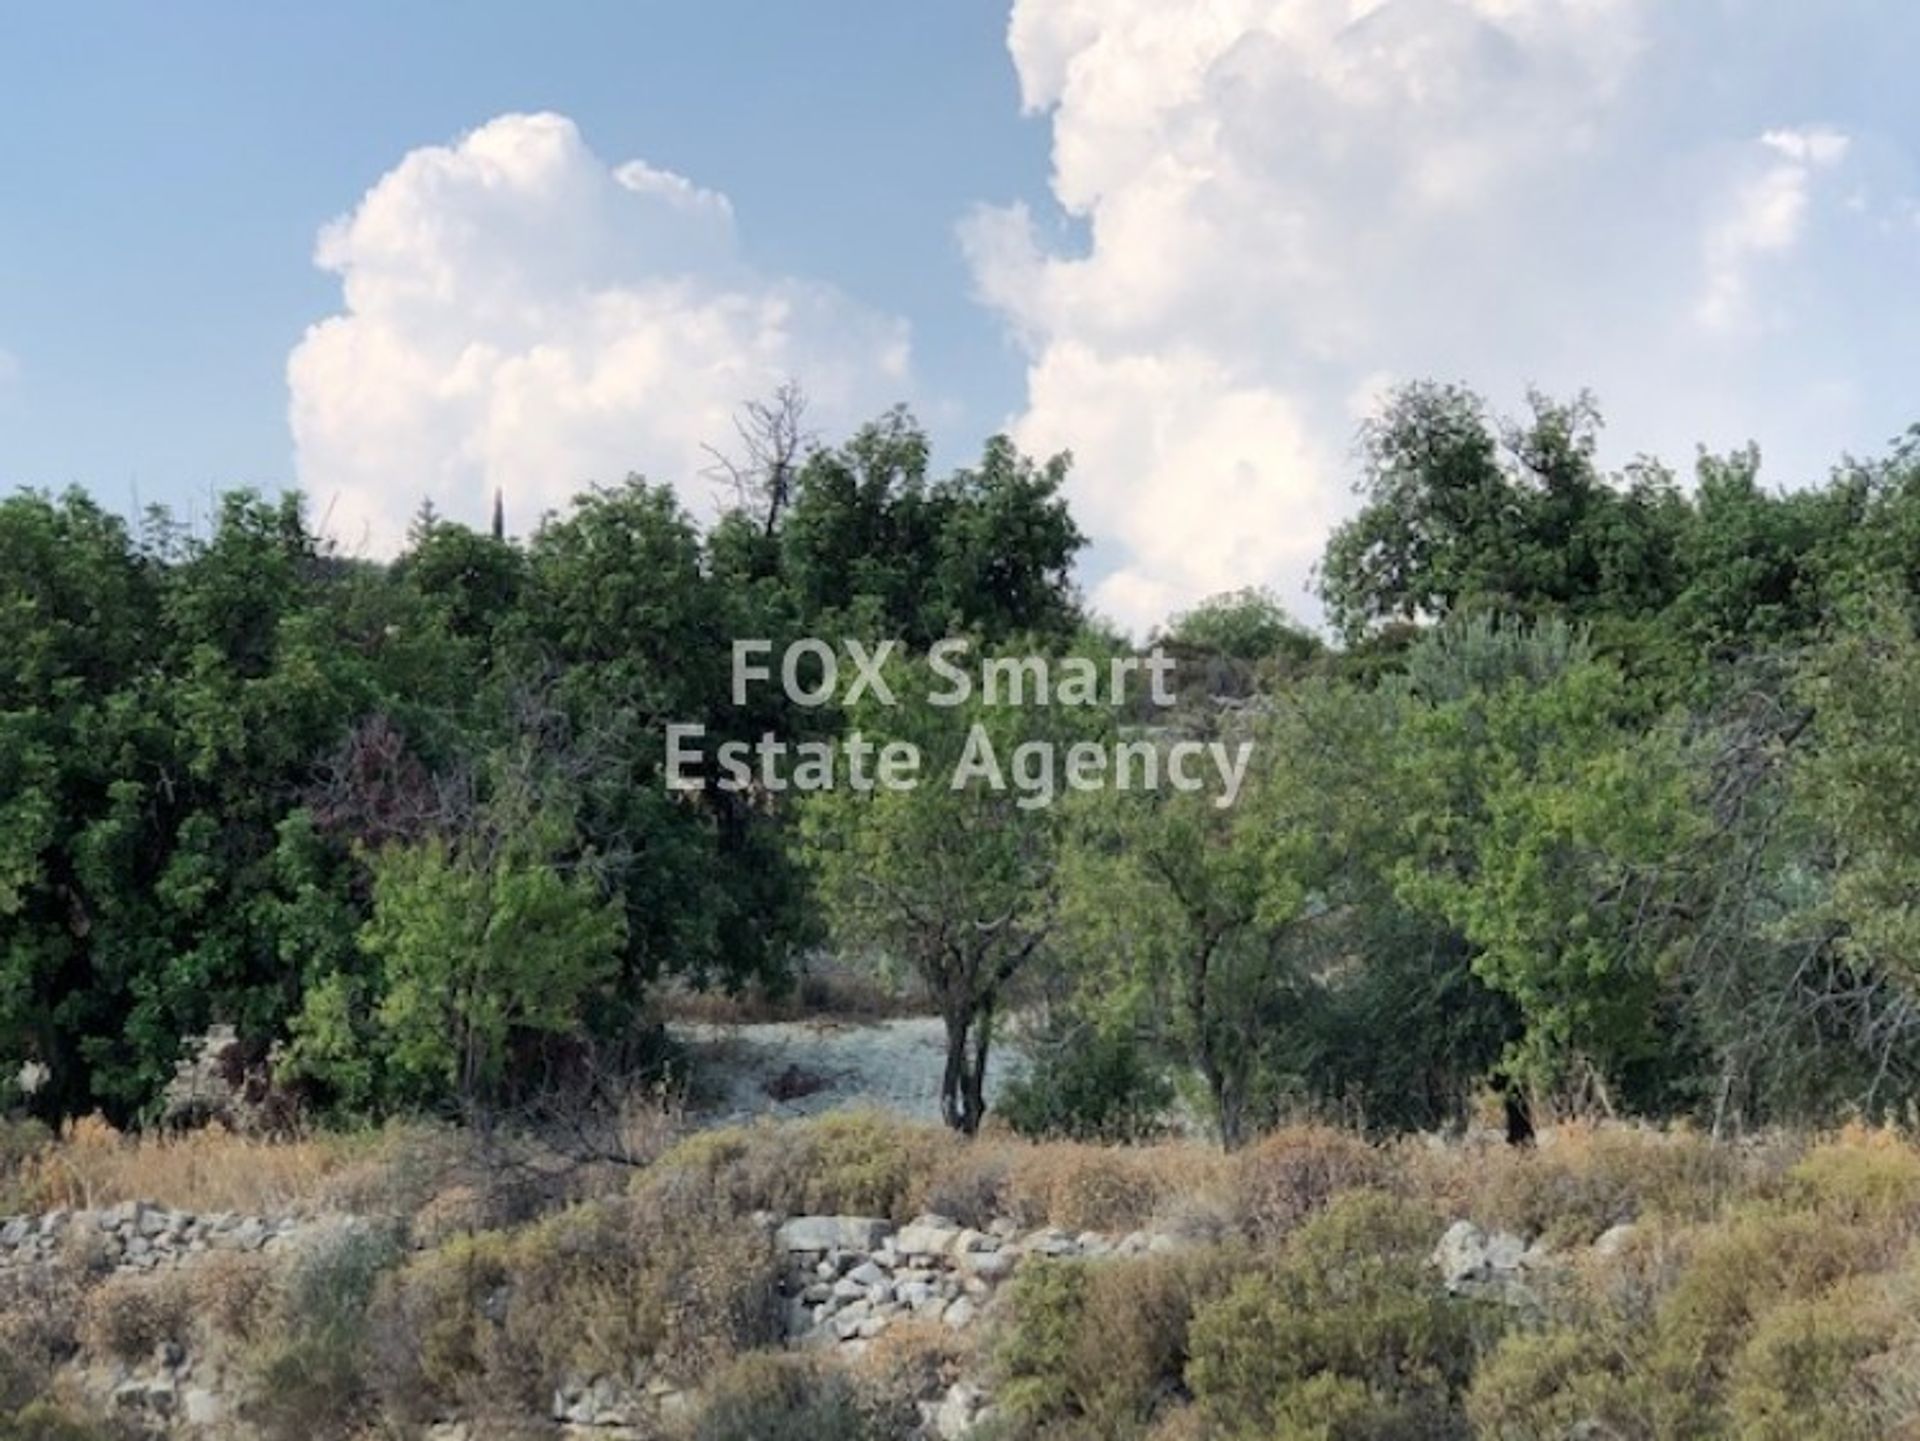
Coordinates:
column 1286, row 203
column 1766, row 218
column 518, row 314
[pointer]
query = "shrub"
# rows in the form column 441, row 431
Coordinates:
column 767, row 1397
column 1796, row 1377
column 1093, row 1086
column 1549, row 1383
column 1347, row 1320
column 94, row 1165
column 40, row 1316
column 1287, row 1176
column 858, row 1163
column 605, row 1287
column 129, row 1316
column 973, row 1182
column 314, row 1376
column 1582, row 1180
column 44, row 1421
column 1047, row 1299
column 1088, row 1187
column 1866, row 1177
column 233, row 1292
column 1130, row 1351
column 21, row 1142
column 1737, row 1273
column 910, row 1362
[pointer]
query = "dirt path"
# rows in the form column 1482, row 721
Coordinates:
column 801, row 1068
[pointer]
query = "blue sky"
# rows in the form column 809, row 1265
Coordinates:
column 164, row 171
column 1190, row 240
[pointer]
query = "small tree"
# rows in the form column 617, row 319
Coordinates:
column 473, row 955
column 958, row 882
column 1163, row 903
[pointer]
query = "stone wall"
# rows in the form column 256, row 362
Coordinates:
column 137, row 1236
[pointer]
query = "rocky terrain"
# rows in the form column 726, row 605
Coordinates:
column 804, row 1068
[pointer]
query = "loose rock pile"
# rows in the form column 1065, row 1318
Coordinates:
column 136, row 1236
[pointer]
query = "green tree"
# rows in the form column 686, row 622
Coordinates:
column 955, row 881
column 476, row 954
column 1162, row 911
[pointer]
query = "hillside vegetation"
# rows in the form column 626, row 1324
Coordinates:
column 1595, row 811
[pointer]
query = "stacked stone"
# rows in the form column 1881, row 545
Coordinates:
column 847, row 1278
column 136, row 1236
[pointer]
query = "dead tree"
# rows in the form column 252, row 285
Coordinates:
column 773, row 440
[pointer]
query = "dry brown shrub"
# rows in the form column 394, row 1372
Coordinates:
column 1185, row 1422
column 129, row 1316
column 655, row 1281
column 1583, row 1178
column 1131, row 1351
column 233, row 1292
column 1286, row 1176
column 972, row 1182
column 912, row 1361
column 40, row 1313
column 459, row 1210
column 1102, row 1188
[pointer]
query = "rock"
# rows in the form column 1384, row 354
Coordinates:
column 16, row 1231
column 1052, row 1241
column 927, row 1236
column 1613, row 1240
column 958, row 1410
column 868, row 1274
column 987, row 1265
column 202, row 1406
column 152, row 1398
column 960, row 1311
column 1490, row 1265
column 831, row 1233
column 846, row 1323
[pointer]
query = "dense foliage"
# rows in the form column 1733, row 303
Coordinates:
column 1605, row 794
column 408, row 820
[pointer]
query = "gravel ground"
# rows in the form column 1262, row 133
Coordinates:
column 743, row 1071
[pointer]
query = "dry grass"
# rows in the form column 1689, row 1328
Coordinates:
column 461, row 1179
column 93, row 1165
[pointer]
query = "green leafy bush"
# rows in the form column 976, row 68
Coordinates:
column 1091, row 1086
column 1347, row 1323
column 1103, row 1345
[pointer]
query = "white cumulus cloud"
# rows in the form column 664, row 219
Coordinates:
column 1767, row 216
column 519, row 314
column 1286, row 203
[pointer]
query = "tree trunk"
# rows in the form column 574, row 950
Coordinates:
column 953, row 1079
column 1228, row 1112
column 963, row 1103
